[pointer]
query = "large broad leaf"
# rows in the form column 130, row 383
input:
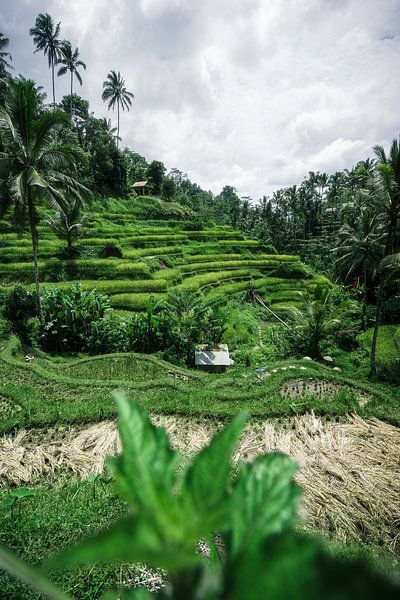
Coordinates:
column 294, row 567
column 145, row 471
column 264, row 500
column 133, row 539
column 207, row 480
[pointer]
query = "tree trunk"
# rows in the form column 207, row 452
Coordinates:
column 118, row 124
column 71, row 98
column 54, row 88
column 372, row 372
column 364, row 307
column 32, row 227
column 69, row 245
column 392, row 231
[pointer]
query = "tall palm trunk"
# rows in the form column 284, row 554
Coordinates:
column 372, row 372
column 392, row 231
column 34, row 238
column 118, row 124
column 364, row 306
column 54, row 87
column 71, row 96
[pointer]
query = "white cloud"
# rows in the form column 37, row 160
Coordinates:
column 242, row 92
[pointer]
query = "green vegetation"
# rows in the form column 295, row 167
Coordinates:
column 102, row 289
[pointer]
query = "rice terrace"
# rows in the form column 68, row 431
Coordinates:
column 199, row 389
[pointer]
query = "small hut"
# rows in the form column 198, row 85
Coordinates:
column 142, row 188
column 212, row 358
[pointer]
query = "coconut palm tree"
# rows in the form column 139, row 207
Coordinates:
column 46, row 37
column 4, row 41
column 115, row 92
column 388, row 172
column 70, row 62
column 31, row 161
column 361, row 249
column 389, row 267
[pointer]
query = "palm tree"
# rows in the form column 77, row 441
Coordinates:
column 388, row 170
column 67, row 223
column 389, row 267
column 70, row 62
column 313, row 321
column 360, row 249
column 46, row 37
column 108, row 126
column 4, row 41
column 115, row 92
column 30, row 162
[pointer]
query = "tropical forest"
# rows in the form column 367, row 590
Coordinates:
column 199, row 388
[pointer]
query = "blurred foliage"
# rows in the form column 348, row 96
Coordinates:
column 251, row 548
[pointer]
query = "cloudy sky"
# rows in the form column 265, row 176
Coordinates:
column 250, row 93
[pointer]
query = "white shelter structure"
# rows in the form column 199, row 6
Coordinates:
column 212, row 358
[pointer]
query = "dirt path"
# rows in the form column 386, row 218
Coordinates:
column 350, row 471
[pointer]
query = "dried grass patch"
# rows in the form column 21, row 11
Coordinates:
column 350, row 471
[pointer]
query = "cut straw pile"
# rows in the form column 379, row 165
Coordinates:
column 350, row 471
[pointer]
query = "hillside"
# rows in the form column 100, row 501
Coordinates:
column 162, row 247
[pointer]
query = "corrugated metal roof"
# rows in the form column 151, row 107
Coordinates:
column 140, row 183
column 212, row 357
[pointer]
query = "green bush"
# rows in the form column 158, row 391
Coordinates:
column 115, row 334
column 186, row 319
column 270, row 249
column 293, row 271
column 68, row 316
column 194, row 225
column 19, row 305
column 391, row 310
column 111, row 250
column 346, row 339
column 241, row 328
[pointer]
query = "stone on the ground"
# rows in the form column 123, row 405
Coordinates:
column 328, row 359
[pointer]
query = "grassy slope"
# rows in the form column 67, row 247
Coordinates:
column 388, row 344
column 50, row 391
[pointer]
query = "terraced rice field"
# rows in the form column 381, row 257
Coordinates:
column 157, row 255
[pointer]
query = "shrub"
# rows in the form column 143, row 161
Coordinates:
column 111, row 250
column 346, row 339
column 391, row 310
column 270, row 249
column 108, row 335
column 276, row 342
column 69, row 315
column 18, row 307
column 241, row 328
column 194, row 225
column 293, row 271
column 186, row 319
